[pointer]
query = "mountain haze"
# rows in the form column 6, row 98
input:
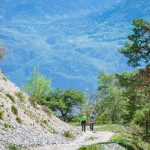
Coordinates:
column 70, row 41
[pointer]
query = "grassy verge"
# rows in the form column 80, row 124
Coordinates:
column 124, row 136
column 92, row 147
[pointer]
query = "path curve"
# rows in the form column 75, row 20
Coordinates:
column 85, row 139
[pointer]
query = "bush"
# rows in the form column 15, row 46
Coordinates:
column 5, row 79
column 20, row 96
column 68, row 134
column 18, row 120
column 6, row 125
column 45, row 121
column 10, row 97
column 12, row 147
column 14, row 110
column 1, row 115
column 92, row 147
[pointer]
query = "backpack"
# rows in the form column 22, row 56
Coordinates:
column 92, row 118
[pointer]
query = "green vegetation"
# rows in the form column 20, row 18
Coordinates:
column 38, row 87
column 20, row 96
column 125, row 99
column 14, row 110
column 1, row 115
column 12, row 147
column 92, row 147
column 18, row 119
column 44, row 122
column 11, row 97
column 5, row 79
column 68, row 134
column 6, row 125
column 65, row 102
column 128, row 136
column 58, row 100
column 121, row 99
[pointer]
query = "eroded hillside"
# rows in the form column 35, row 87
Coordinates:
column 23, row 124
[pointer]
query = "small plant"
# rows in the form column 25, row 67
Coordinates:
column 10, row 97
column 5, row 79
column 91, row 138
column 68, row 134
column 18, row 119
column 12, row 147
column 20, row 96
column 14, row 110
column 1, row 115
column 6, row 125
column 45, row 121
column 92, row 147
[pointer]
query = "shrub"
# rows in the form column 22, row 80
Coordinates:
column 1, row 115
column 18, row 119
column 14, row 110
column 6, row 125
column 20, row 96
column 5, row 79
column 12, row 147
column 92, row 147
column 10, row 97
column 45, row 121
column 68, row 134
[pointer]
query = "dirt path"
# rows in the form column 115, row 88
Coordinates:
column 87, row 138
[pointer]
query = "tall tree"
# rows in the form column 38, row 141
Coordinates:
column 137, row 50
column 111, row 103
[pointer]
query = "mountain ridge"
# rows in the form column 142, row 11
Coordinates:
column 70, row 48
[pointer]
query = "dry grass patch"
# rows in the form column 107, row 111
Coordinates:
column 20, row 96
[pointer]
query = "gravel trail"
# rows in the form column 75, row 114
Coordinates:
column 85, row 139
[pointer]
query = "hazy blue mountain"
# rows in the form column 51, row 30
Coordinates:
column 70, row 40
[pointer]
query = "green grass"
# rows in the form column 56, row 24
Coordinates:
column 20, row 96
column 1, row 115
column 11, row 97
column 18, row 119
column 68, row 134
column 14, row 110
column 6, row 125
column 5, row 79
column 92, row 147
column 126, row 136
column 12, row 147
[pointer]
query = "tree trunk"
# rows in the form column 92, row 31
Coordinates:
column 147, row 124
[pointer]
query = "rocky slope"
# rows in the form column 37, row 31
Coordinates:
column 23, row 125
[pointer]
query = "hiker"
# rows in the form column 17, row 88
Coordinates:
column 83, row 122
column 92, row 121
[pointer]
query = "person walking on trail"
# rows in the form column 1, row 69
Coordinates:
column 83, row 122
column 92, row 121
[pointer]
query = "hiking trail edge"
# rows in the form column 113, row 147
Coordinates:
column 87, row 138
